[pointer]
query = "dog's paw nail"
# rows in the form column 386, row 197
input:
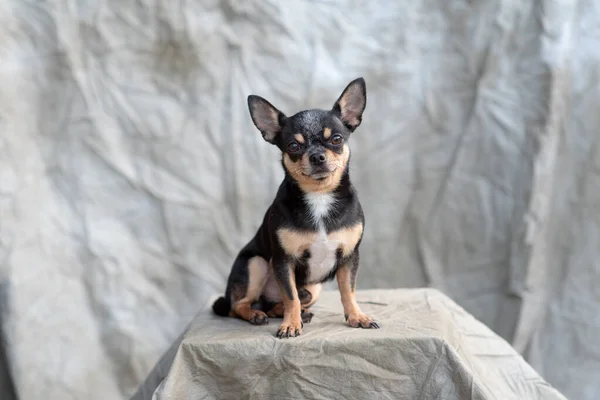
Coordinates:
column 374, row 325
column 346, row 317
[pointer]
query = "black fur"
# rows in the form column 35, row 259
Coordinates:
column 222, row 306
column 290, row 208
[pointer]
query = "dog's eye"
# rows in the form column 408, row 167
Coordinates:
column 293, row 147
column 336, row 139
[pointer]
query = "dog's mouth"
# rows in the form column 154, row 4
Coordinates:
column 320, row 175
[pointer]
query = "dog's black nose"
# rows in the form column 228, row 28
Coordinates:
column 317, row 158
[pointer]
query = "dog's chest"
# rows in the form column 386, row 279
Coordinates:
column 324, row 248
column 322, row 256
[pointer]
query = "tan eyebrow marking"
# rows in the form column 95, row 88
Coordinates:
column 326, row 133
column 299, row 138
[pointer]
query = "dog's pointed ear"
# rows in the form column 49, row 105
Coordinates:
column 351, row 104
column 266, row 117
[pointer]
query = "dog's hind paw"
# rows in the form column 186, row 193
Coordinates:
column 258, row 318
column 306, row 316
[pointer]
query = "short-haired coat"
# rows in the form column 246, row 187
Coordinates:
column 312, row 231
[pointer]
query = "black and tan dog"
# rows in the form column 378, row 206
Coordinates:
column 312, row 230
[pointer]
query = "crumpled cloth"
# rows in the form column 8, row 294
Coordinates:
column 428, row 347
column 131, row 173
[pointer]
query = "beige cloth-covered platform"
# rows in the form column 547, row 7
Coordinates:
column 427, row 348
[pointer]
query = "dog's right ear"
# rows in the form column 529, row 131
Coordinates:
column 351, row 104
column 266, row 117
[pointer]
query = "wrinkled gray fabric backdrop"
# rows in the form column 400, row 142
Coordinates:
column 130, row 172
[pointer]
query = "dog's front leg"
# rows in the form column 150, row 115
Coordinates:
column 346, row 278
column 292, row 309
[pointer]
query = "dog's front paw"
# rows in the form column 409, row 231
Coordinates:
column 292, row 329
column 361, row 321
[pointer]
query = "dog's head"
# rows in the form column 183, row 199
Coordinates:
column 313, row 142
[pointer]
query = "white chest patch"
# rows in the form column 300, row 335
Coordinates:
column 323, row 250
column 322, row 256
column 319, row 205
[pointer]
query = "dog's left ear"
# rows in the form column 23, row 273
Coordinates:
column 351, row 104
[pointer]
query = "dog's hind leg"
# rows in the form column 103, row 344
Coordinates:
column 308, row 295
column 243, row 297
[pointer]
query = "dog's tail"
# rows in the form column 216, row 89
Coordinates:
column 222, row 307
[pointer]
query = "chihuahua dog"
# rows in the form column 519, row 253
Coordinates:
column 312, row 231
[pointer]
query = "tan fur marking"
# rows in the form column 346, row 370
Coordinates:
column 315, row 290
column 295, row 242
column 258, row 269
column 243, row 309
column 276, row 311
column 327, row 133
column 292, row 309
column 348, row 238
column 257, row 276
column 355, row 317
column 299, row 138
column 299, row 171
column 347, row 292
